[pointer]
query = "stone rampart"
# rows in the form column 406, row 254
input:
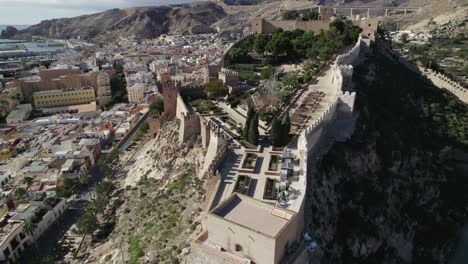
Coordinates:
column 350, row 57
column 214, row 139
column 438, row 79
column 154, row 123
column 192, row 91
column 315, row 137
column 260, row 25
column 181, row 107
column 445, row 82
column 189, row 127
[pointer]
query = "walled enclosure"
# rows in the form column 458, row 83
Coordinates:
column 239, row 240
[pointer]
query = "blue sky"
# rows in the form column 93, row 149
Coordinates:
column 17, row 12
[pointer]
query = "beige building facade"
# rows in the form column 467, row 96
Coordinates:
column 65, row 97
column 136, row 93
column 265, row 237
column 103, row 89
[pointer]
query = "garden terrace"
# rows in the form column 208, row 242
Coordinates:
column 242, row 184
column 250, row 161
column 229, row 121
column 275, row 162
column 248, row 72
column 271, row 191
column 203, row 106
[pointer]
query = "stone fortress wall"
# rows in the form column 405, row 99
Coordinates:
column 192, row 125
column 343, row 105
column 315, row 139
column 444, row 82
column 438, row 79
column 229, row 77
column 261, row 25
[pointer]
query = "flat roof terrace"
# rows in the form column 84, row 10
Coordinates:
column 253, row 214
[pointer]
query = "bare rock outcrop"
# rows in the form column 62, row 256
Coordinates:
column 162, row 205
column 8, row 32
column 163, row 156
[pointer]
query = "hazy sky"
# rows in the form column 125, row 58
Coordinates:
column 33, row 11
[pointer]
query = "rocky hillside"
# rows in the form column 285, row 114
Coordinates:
column 162, row 156
column 142, row 22
column 160, row 213
column 396, row 192
column 8, row 32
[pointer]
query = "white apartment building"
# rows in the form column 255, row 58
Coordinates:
column 136, row 93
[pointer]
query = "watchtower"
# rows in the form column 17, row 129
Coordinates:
column 170, row 91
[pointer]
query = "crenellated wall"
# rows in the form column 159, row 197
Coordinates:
column 214, row 140
column 260, row 25
column 444, row 82
column 316, row 139
column 189, row 127
column 229, row 77
column 154, row 123
column 181, row 107
column 438, row 79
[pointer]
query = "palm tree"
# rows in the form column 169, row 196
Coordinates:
column 20, row 192
column 29, row 228
column 28, row 181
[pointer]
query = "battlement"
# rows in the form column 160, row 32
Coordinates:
column 228, row 72
column 229, row 77
column 210, row 73
column 350, row 57
column 216, row 131
column 170, row 93
column 218, row 159
column 326, row 115
column 172, row 85
column 346, row 102
column 443, row 81
column 154, row 124
column 346, row 70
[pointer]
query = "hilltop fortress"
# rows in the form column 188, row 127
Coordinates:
column 256, row 197
column 264, row 222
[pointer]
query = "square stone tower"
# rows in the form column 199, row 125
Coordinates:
column 170, row 92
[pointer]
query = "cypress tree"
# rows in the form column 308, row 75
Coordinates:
column 275, row 132
column 286, row 129
column 253, row 130
column 250, row 114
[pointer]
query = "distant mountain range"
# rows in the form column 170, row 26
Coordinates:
column 142, row 22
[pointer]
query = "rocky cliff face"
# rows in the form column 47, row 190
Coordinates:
column 141, row 22
column 160, row 212
column 396, row 192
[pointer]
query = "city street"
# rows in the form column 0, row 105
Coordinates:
column 59, row 242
